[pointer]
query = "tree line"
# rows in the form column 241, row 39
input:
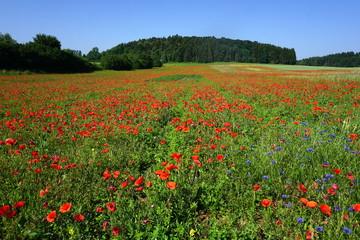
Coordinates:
column 202, row 49
column 345, row 59
column 42, row 54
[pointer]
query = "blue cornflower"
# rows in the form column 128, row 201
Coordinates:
column 282, row 172
column 288, row 205
column 227, row 171
column 337, row 208
column 332, row 135
column 310, row 150
column 265, row 177
column 321, row 142
column 302, row 164
column 300, row 220
column 288, row 182
column 346, row 148
column 318, row 180
column 283, row 196
column 320, row 229
column 273, row 162
column 248, row 161
column 298, row 155
column 278, row 149
column 347, row 230
column 351, row 191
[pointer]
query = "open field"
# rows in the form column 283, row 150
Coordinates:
column 186, row 151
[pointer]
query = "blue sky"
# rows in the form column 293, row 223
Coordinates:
column 313, row 28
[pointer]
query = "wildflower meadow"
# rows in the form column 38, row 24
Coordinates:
column 186, row 151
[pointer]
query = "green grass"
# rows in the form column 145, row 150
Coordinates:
column 191, row 77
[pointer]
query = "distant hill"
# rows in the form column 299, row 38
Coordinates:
column 345, row 59
column 205, row 49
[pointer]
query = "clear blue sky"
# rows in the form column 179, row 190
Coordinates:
column 312, row 27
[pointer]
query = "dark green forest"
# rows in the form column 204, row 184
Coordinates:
column 202, row 50
column 43, row 54
column 345, row 59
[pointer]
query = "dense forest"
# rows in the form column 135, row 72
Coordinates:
column 42, row 54
column 345, row 59
column 202, row 50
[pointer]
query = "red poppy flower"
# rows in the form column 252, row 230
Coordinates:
column 356, row 207
column 149, row 184
column 304, row 201
column 159, row 172
column 176, row 156
column 51, row 216
column 331, row 191
column 311, row 204
column 19, row 204
column 105, row 224
column 139, row 181
column 116, row 174
column 337, row 171
column 5, row 209
column 164, row 176
column 302, row 188
column 79, row 217
column 256, row 187
column 220, row 158
column 171, row 185
column 325, row 209
column 65, row 207
column 162, row 141
column 124, row 184
column 10, row 214
column 111, row 206
column 99, row 209
column 115, row 231
column 169, row 167
column 10, row 141
column 266, row 202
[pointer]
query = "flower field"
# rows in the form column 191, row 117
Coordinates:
column 181, row 152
